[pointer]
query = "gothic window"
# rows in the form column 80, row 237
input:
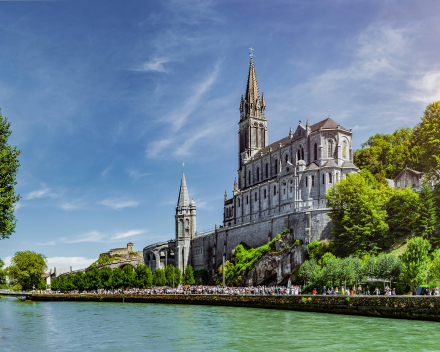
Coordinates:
column 258, row 174
column 306, row 181
column 329, row 178
column 274, row 190
column 187, row 223
column 181, row 227
column 238, row 201
column 284, row 191
column 299, row 154
column 302, row 154
column 267, row 170
column 329, row 152
column 264, row 193
column 227, row 212
column 255, row 196
column 344, row 150
column 316, row 152
column 313, row 180
column 249, row 181
column 323, row 179
column 291, row 189
column 276, row 165
column 287, row 158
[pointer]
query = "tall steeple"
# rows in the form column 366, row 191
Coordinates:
column 252, row 105
column 183, row 193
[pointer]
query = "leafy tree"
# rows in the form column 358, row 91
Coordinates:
column 26, row 269
column 426, row 141
column 332, row 270
column 177, row 276
column 54, row 284
column 427, row 219
column 93, row 279
column 357, row 209
column 2, row 273
column 117, row 279
column 434, row 267
column 106, row 277
column 415, row 261
column 348, row 270
column 9, row 165
column 388, row 266
column 144, row 278
column 159, row 277
column 402, row 212
column 307, row 271
column 79, row 281
column 189, row 276
column 385, row 155
column 129, row 276
column 371, row 269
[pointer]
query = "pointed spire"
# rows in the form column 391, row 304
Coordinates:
column 183, row 193
column 307, row 124
column 291, row 133
column 252, row 94
column 263, row 101
column 235, row 185
column 226, row 196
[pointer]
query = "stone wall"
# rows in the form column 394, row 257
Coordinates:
column 406, row 307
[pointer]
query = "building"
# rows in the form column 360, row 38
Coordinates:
column 279, row 185
column 121, row 252
column 410, row 178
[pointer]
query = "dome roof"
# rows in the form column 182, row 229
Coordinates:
column 192, row 203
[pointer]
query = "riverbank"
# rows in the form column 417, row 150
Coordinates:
column 403, row 307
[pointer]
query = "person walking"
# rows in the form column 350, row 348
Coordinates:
column 324, row 291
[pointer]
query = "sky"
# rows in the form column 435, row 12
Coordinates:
column 107, row 99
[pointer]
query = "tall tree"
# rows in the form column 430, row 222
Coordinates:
column 415, row 261
column 2, row 273
column 79, row 280
column 106, row 277
column 117, row 280
column 93, row 281
column 26, row 269
column 159, row 277
column 402, row 212
column 357, row 209
column 434, row 267
column 9, row 165
column 144, row 278
column 426, row 141
column 427, row 219
column 129, row 276
column 189, row 276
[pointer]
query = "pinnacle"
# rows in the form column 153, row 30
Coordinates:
column 183, row 193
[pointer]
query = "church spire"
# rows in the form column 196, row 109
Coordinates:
column 183, row 193
column 252, row 106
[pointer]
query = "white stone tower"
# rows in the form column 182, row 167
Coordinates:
column 185, row 226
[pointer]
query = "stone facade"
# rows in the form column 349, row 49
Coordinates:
column 122, row 252
column 279, row 186
column 410, row 178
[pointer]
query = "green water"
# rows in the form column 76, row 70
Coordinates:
column 76, row 326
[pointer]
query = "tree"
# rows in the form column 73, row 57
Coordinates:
column 9, row 165
column 129, row 277
column 93, row 279
column 26, row 269
column 54, row 284
column 402, row 212
column 426, row 141
column 144, row 278
column 159, row 277
column 388, row 266
column 348, row 270
column 106, row 277
column 79, row 281
column 357, row 209
column 117, row 279
column 177, row 276
column 307, row 271
column 189, row 276
column 434, row 267
column 2, row 273
column 415, row 261
column 427, row 219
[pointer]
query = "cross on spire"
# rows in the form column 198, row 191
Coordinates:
column 328, row 112
column 183, row 164
column 251, row 53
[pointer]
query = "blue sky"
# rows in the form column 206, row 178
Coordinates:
column 107, row 99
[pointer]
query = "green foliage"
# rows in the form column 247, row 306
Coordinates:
column 427, row 219
column 388, row 266
column 188, row 278
column 357, row 209
column 298, row 242
column 26, row 269
column 402, row 212
column 93, row 279
column 203, row 275
column 129, row 276
column 79, row 280
column 2, row 273
column 318, row 248
column 9, row 165
column 415, row 261
column 434, row 267
column 106, row 259
column 105, row 278
column 144, row 278
column 117, row 279
column 159, row 277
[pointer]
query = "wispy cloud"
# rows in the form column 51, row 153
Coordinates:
column 92, row 236
column 119, row 203
column 18, row 206
column 128, row 234
column 155, row 65
column 72, row 206
column 185, row 149
column 48, row 243
column 137, row 175
column 107, row 169
column 41, row 193
column 65, row 262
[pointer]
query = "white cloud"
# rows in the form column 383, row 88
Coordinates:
column 137, row 175
column 18, row 206
column 119, row 204
column 426, row 88
column 7, row 261
column 44, row 192
column 128, row 234
column 187, row 145
column 155, row 65
column 66, row 262
column 93, row 236
column 72, row 206
column 104, row 173
column 48, row 243
column 360, row 128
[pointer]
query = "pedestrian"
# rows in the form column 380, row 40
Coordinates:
column 324, row 291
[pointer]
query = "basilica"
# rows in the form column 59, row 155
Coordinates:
column 279, row 185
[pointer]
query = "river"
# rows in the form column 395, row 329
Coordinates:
column 87, row 326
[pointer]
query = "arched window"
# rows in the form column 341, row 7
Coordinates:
column 330, row 147
column 313, row 180
column 249, row 181
column 323, row 179
column 181, row 227
column 276, row 165
column 302, row 154
column 274, row 190
column 299, row 154
column 238, row 201
column 227, row 213
column 287, row 158
column 267, row 170
column 258, row 174
column 344, row 150
column 265, row 193
column 329, row 178
column 247, row 199
column 255, row 196
column 187, row 222
column 306, row 180
column 316, row 152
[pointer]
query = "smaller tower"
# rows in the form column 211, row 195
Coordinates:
column 185, row 225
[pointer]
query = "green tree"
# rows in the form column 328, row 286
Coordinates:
column 307, row 271
column 9, row 165
column 106, row 277
column 388, row 266
column 348, row 271
column 189, row 276
column 159, row 277
column 79, row 281
column 54, row 284
column 93, row 279
column 117, row 279
column 129, row 276
column 144, row 278
column 402, row 212
column 434, row 267
column 385, row 155
column 427, row 219
column 177, row 276
column 169, row 276
column 415, row 261
column 2, row 273
column 26, row 269
column 357, row 210
column 426, row 141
